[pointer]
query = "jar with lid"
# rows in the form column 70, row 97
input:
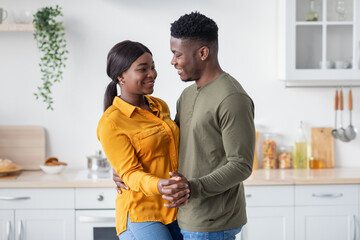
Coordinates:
column 270, row 151
column 285, row 157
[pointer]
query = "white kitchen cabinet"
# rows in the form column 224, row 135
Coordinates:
column 326, row 222
column 45, row 224
column 34, row 214
column 326, row 212
column 270, row 213
column 322, row 52
column 6, row 225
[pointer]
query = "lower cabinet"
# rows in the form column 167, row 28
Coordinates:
column 269, row 223
column 302, row 212
column 328, row 212
column 270, row 213
column 34, row 214
column 329, row 222
column 288, row 212
column 6, row 225
column 37, row 224
column 44, row 224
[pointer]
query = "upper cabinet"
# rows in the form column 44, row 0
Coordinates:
column 319, row 42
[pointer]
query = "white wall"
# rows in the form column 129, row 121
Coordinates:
column 248, row 47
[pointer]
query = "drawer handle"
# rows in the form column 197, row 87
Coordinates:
column 14, row 198
column 89, row 219
column 248, row 195
column 328, row 195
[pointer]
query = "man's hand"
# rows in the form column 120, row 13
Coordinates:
column 119, row 183
column 175, row 190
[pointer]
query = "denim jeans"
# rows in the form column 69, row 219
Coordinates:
column 151, row 231
column 221, row 235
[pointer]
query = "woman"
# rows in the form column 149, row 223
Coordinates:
column 141, row 142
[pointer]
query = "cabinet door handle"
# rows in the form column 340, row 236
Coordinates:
column 90, row 219
column 20, row 230
column 248, row 195
column 327, row 195
column 8, row 230
column 355, row 227
column 14, row 198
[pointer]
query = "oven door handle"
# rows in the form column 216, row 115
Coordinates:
column 90, row 219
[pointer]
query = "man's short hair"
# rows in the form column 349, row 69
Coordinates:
column 195, row 26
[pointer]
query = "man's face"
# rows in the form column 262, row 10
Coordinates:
column 186, row 58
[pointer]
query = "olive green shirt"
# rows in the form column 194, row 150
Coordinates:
column 217, row 140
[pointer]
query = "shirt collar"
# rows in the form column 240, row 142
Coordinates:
column 128, row 109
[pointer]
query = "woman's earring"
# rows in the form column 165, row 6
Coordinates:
column 122, row 82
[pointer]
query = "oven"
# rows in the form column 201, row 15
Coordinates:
column 95, row 225
column 95, row 213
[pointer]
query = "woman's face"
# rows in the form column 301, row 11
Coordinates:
column 139, row 79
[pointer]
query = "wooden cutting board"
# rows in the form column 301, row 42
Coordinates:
column 322, row 146
column 24, row 145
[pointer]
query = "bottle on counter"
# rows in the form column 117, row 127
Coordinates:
column 300, row 149
column 312, row 14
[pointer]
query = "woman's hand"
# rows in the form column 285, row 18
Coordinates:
column 119, row 183
column 175, row 190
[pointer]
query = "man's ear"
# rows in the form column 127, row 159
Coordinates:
column 204, row 52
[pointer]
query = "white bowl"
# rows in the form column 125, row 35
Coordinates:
column 52, row 169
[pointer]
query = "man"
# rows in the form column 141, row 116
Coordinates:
column 217, row 135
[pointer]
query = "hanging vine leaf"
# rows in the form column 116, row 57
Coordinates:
column 49, row 35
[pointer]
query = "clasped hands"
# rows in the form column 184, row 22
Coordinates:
column 176, row 190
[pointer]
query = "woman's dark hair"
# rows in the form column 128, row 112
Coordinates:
column 195, row 26
column 119, row 59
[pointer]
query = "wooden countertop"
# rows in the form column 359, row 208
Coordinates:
column 73, row 178
column 304, row 176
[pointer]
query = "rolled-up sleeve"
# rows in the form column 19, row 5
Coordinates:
column 121, row 155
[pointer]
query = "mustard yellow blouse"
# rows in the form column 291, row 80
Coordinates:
column 142, row 148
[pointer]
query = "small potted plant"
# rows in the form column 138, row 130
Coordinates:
column 50, row 37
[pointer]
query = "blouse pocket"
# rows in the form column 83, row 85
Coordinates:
column 151, row 143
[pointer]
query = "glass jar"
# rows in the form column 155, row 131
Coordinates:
column 270, row 151
column 285, row 157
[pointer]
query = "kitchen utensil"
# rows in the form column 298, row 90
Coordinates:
column 322, row 147
column 24, row 145
column 98, row 163
column 350, row 131
column 334, row 132
column 341, row 130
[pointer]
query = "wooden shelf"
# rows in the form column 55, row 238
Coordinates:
column 16, row 27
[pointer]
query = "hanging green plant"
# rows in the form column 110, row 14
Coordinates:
column 50, row 37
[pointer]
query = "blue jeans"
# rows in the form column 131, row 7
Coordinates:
column 151, row 231
column 221, row 235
